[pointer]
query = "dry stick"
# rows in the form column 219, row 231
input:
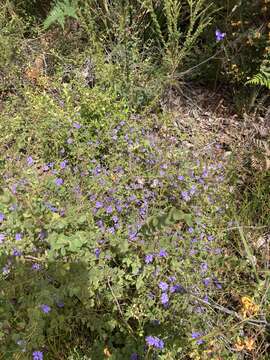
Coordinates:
column 198, row 65
column 246, row 227
column 29, row 257
column 119, row 308
column 230, row 312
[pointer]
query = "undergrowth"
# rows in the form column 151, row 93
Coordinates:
column 117, row 240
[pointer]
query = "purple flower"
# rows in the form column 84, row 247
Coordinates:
column 109, row 209
column 5, row 270
column 204, row 267
column 30, row 161
column 132, row 198
column 119, row 208
column 155, row 342
column 193, row 252
column 132, row 235
column 96, row 170
column 111, row 230
column 192, row 191
column 115, row 219
column 18, row 236
column 134, row 356
column 2, row 217
column 13, row 207
column 36, row 266
column 180, row 178
column 97, row 252
column 163, row 286
column 217, row 251
column 77, row 125
column 60, row 304
column 164, row 299
column 163, row 253
column 45, row 308
column 219, row 35
column 2, row 238
column 16, row 252
column 92, row 197
column 98, row 204
column 196, row 335
column 37, row 355
column 14, row 188
column 205, row 173
column 43, row 234
column 63, row 164
column 190, row 230
column 217, row 283
column 207, row 281
column 100, row 224
column 59, row 181
column 51, row 207
column 177, row 289
column 149, row 258
column 185, row 195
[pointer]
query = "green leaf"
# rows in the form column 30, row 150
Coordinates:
column 177, row 214
column 6, row 198
column 171, row 217
column 140, row 282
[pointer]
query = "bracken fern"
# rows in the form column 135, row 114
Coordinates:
column 262, row 78
column 59, row 13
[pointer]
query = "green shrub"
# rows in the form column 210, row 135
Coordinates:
column 97, row 224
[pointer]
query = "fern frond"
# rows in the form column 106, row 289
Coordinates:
column 61, row 10
column 263, row 76
column 260, row 79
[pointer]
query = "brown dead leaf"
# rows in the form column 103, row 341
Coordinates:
column 35, row 71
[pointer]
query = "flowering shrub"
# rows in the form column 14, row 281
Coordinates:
column 107, row 224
